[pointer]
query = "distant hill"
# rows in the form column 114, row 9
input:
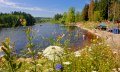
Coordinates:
column 42, row 19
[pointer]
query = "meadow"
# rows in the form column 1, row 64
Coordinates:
column 95, row 57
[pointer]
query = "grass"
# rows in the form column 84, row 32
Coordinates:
column 97, row 57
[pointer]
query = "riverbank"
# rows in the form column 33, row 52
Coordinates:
column 113, row 40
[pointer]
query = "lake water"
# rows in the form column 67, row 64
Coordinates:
column 42, row 33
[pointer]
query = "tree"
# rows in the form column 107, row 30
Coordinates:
column 77, row 17
column 91, row 10
column 103, row 6
column 16, row 19
column 96, row 5
column 115, row 10
column 97, row 16
column 64, row 18
column 71, row 15
column 85, row 12
column 57, row 17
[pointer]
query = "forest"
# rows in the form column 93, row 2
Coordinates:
column 42, row 19
column 96, row 10
column 15, row 19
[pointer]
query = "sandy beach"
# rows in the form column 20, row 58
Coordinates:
column 113, row 40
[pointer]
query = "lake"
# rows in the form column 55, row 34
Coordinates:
column 42, row 34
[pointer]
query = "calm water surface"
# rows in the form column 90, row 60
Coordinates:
column 42, row 33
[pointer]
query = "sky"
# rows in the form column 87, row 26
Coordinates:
column 41, row 8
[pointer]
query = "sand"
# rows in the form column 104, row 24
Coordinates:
column 113, row 40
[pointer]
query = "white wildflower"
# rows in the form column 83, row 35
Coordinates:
column 77, row 54
column 63, row 35
column 42, row 50
column 83, row 37
column 118, row 69
column 114, row 69
column 100, row 43
column 108, row 45
column 94, row 40
column 115, row 52
column 48, row 70
column 29, row 50
column 27, row 71
column 97, row 37
column 53, row 52
column 89, row 49
column 0, row 69
column 67, row 63
column 94, row 71
column 39, row 53
column 40, row 65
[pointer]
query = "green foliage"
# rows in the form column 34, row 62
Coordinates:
column 9, row 57
column 57, row 17
column 64, row 18
column 91, row 10
column 85, row 13
column 42, row 19
column 114, row 10
column 109, row 10
column 30, row 47
column 16, row 19
column 30, row 20
column 97, row 16
column 95, row 57
column 104, row 9
column 71, row 15
column 78, row 17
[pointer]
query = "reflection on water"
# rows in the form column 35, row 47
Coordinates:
column 42, row 34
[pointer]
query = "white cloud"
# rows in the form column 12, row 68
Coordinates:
column 18, row 6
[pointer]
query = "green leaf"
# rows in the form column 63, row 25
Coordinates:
column 19, row 65
column 6, row 52
column 14, row 66
column 6, row 57
column 5, row 45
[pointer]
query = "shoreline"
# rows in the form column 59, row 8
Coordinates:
column 113, row 40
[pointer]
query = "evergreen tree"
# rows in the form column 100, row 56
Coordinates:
column 57, row 17
column 96, row 5
column 103, row 5
column 91, row 10
column 115, row 10
column 85, row 13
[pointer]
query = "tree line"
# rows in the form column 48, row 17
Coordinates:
column 15, row 19
column 42, row 19
column 96, row 10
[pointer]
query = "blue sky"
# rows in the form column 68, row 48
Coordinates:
column 41, row 8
